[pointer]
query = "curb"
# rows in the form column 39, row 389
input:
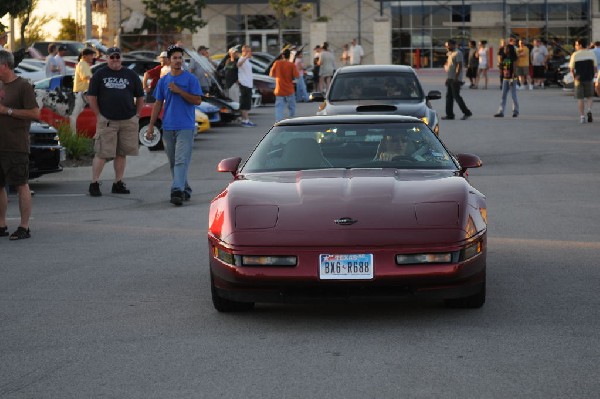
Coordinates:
column 140, row 165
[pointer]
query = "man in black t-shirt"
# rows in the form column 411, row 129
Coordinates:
column 116, row 97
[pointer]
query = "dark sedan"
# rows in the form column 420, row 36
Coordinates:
column 348, row 207
column 378, row 89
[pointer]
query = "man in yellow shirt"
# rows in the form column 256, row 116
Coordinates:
column 83, row 74
column 522, row 64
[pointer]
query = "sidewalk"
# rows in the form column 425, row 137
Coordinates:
column 143, row 164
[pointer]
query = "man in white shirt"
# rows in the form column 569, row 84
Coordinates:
column 246, row 82
column 60, row 62
column 356, row 53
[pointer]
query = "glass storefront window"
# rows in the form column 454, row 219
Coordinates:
column 557, row 12
column 461, row 13
column 440, row 15
column 576, row 12
column 261, row 22
column 418, row 16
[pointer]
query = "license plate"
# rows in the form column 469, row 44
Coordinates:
column 346, row 267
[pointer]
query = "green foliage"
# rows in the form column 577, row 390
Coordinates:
column 288, row 9
column 175, row 16
column 12, row 7
column 76, row 146
column 69, row 29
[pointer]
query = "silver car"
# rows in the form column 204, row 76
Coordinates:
column 378, row 89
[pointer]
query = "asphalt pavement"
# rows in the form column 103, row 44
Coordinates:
column 110, row 297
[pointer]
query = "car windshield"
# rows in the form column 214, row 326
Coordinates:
column 379, row 86
column 406, row 145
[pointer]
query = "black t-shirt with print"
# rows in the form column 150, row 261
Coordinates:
column 116, row 92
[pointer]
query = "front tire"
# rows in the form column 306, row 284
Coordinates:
column 226, row 305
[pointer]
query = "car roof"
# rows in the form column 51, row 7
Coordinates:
column 375, row 68
column 319, row 120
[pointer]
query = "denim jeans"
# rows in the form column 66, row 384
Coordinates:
column 301, row 93
column 280, row 103
column 178, row 146
column 509, row 84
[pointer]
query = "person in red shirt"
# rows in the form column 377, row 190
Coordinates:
column 284, row 73
column 151, row 77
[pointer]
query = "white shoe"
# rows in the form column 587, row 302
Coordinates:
column 582, row 119
column 530, row 87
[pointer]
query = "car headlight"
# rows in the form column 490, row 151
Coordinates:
column 253, row 260
column 468, row 252
column 248, row 260
column 424, row 258
column 425, row 119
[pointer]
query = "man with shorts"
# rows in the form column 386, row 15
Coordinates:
column 584, row 67
column 116, row 97
column 539, row 58
column 245, row 82
column 180, row 92
column 522, row 64
column 18, row 108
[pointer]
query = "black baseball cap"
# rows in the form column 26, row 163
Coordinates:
column 113, row 50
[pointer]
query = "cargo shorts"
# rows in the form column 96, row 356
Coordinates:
column 14, row 168
column 116, row 137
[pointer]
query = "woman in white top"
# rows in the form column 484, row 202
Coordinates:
column 482, row 69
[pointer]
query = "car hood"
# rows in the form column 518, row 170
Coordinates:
column 338, row 207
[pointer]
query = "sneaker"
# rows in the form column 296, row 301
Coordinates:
column 177, row 197
column 95, row 189
column 582, row 119
column 119, row 188
column 186, row 196
column 530, row 87
column 248, row 124
column 466, row 116
column 589, row 117
column 515, row 114
column 499, row 115
column 4, row 231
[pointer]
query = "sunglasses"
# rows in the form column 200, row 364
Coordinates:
column 115, row 57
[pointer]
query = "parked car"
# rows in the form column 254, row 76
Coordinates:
column 46, row 152
column 378, row 89
column 263, row 83
column 348, row 207
column 73, row 47
column 56, row 100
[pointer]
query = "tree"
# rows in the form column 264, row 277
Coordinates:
column 287, row 9
column 35, row 29
column 69, row 30
column 12, row 7
column 24, row 18
column 175, row 16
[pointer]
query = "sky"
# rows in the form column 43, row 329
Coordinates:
column 58, row 9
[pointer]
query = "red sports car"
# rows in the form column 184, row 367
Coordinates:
column 348, row 207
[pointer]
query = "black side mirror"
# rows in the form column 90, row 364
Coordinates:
column 316, row 96
column 434, row 95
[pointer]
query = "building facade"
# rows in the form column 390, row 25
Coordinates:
column 399, row 32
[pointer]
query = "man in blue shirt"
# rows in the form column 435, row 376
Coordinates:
column 180, row 92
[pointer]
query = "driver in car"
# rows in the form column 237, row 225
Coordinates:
column 392, row 146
